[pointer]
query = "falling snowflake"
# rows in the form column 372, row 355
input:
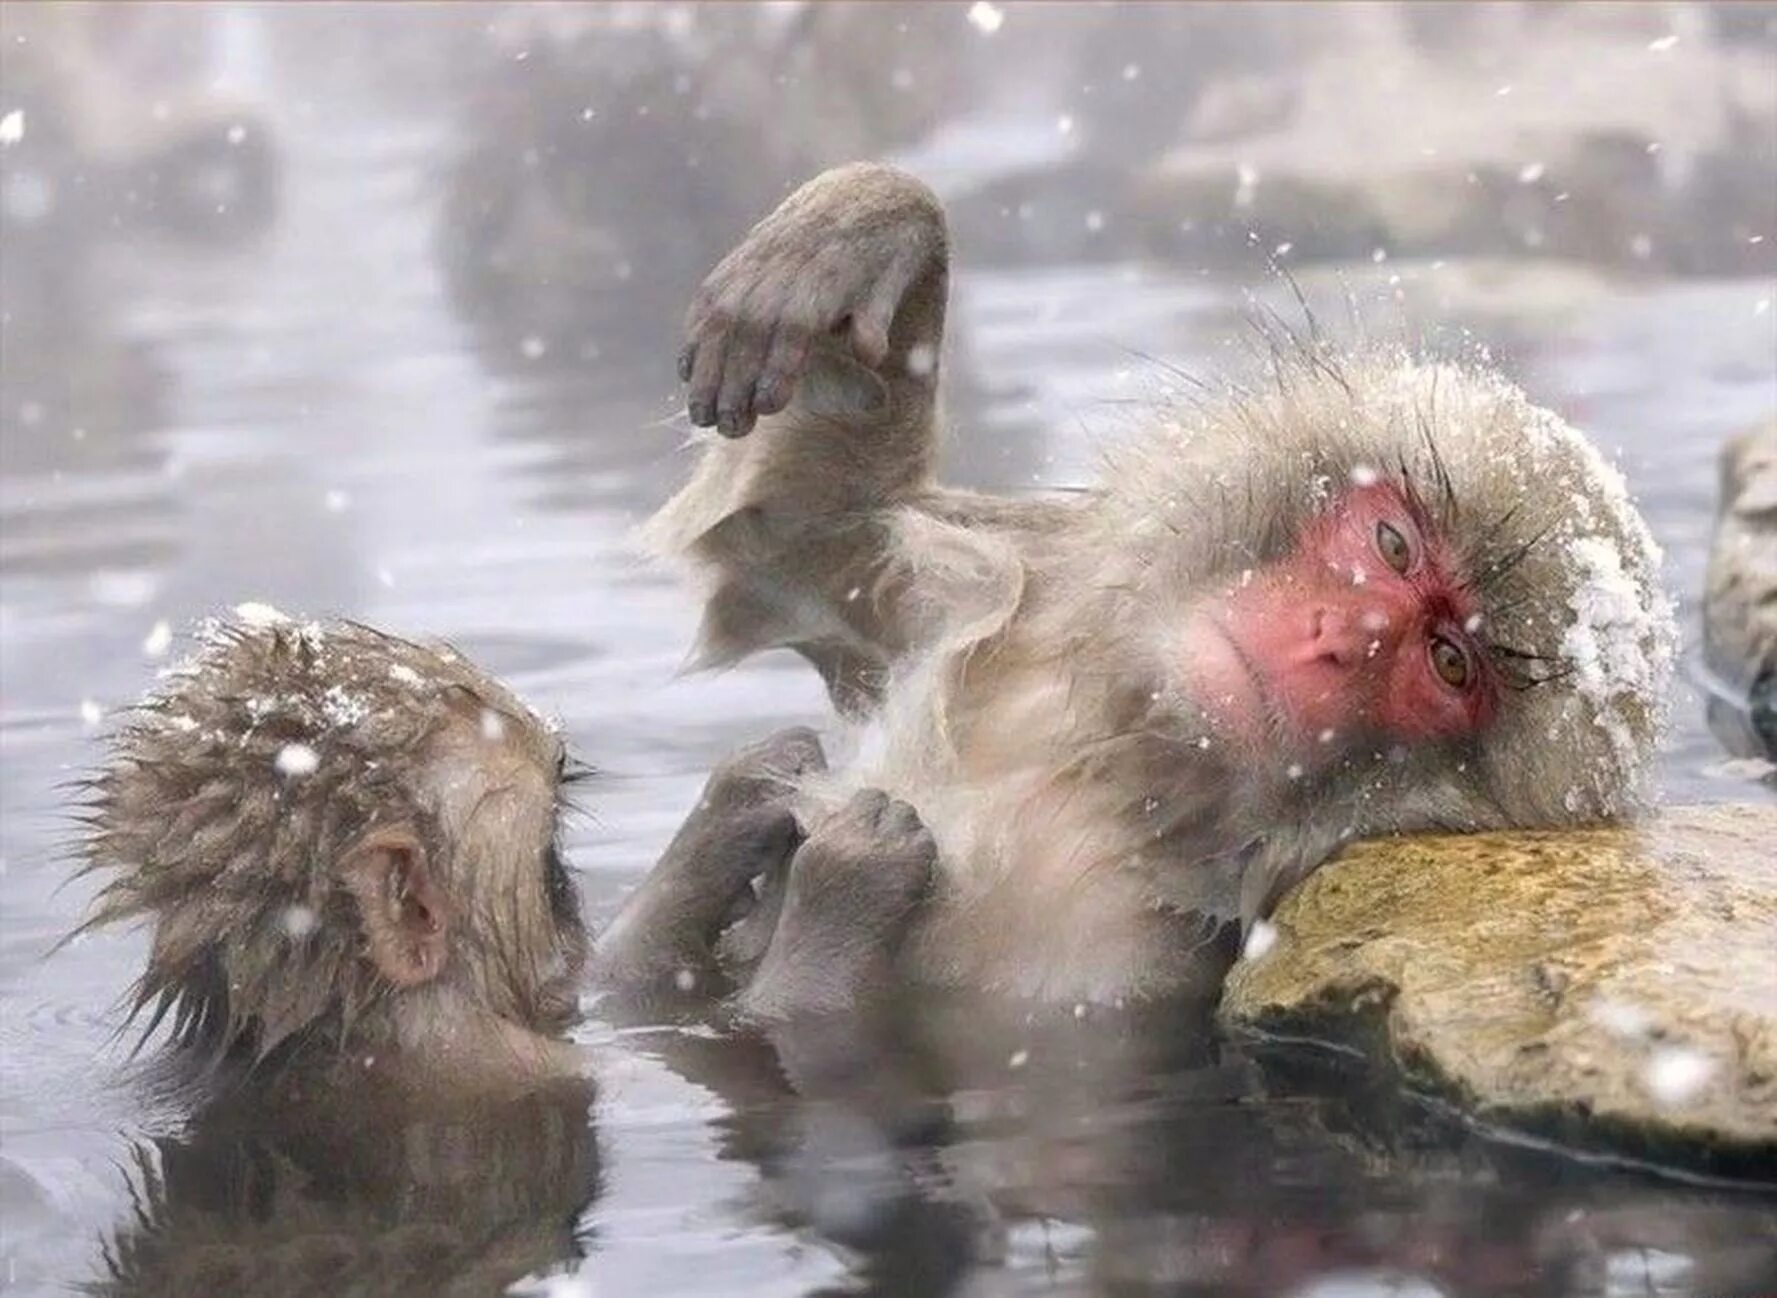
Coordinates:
column 260, row 616
column 986, row 18
column 158, row 640
column 298, row 922
column 1676, row 1073
column 297, row 760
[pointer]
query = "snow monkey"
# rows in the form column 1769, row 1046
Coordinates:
column 366, row 945
column 346, row 844
column 1371, row 595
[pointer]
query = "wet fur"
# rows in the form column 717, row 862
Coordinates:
column 203, row 837
column 1011, row 655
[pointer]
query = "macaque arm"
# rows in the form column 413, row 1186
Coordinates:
column 741, row 830
column 813, row 521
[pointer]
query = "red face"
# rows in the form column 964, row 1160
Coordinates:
column 1363, row 632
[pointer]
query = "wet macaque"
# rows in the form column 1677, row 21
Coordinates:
column 803, row 923
column 346, row 847
column 1367, row 595
column 1740, row 604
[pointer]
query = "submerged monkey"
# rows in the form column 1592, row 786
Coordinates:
column 365, row 949
column 1372, row 596
column 346, row 846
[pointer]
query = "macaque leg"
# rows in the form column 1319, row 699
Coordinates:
column 742, row 829
column 852, row 890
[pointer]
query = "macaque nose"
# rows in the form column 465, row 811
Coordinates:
column 1338, row 637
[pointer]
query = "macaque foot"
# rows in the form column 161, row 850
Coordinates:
column 852, row 890
column 742, row 831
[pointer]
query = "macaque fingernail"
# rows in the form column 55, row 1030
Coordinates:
column 703, row 414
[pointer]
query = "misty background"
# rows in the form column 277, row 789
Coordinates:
column 371, row 310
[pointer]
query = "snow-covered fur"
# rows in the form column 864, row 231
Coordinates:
column 232, row 793
column 1023, row 692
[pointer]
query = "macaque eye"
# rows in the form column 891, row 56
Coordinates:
column 1396, row 553
column 1450, row 661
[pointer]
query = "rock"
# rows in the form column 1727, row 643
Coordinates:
column 1740, row 601
column 1612, row 989
column 1600, row 134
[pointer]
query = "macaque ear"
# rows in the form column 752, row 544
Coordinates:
column 406, row 921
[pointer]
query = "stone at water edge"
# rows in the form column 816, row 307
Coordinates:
column 1613, row 988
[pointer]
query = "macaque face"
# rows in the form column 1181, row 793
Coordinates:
column 1364, row 631
column 495, row 783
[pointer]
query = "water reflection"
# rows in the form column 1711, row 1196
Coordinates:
column 357, row 1195
column 429, row 384
column 1141, row 1154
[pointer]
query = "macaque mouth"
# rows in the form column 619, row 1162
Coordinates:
column 1235, row 691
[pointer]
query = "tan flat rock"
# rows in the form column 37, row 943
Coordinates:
column 1613, row 988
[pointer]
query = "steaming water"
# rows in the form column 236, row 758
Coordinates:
column 311, row 422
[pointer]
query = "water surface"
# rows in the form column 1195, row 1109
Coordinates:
column 315, row 421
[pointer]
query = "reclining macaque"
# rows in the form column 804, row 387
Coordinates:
column 1368, row 596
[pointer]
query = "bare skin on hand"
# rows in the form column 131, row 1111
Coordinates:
column 802, row 924
column 853, row 887
column 1367, row 596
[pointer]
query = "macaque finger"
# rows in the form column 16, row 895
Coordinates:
column 853, row 888
column 706, row 377
column 872, row 321
column 784, row 366
column 741, row 363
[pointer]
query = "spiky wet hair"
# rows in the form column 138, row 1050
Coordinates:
column 231, row 792
column 1577, row 624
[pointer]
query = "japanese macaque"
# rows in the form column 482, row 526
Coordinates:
column 367, row 947
column 346, row 845
column 1740, row 605
column 1372, row 595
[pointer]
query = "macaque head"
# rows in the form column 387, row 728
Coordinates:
column 341, row 839
column 1365, row 632
column 1397, row 593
